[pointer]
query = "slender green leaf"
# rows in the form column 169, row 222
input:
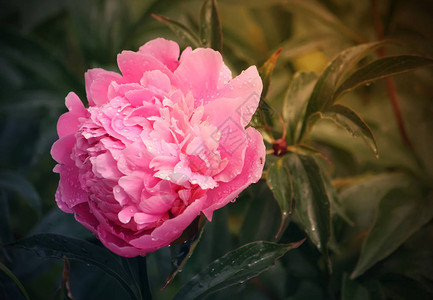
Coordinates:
column 211, row 34
column 312, row 205
column 187, row 248
column 180, row 30
column 381, row 68
column 295, row 101
column 322, row 96
column 335, row 201
column 267, row 70
column 279, row 181
column 399, row 215
column 302, row 149
column 353, row 123
column 233, row 268
column 22, row 186
column 55, row 245
column 14, row 279
column 261, row 221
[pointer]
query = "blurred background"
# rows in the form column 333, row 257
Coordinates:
column 47, row 45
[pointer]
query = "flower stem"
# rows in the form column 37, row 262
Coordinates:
column 143, row 278
column 390, row 86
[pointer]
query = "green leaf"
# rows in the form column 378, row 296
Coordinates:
column 302, row 149
column 312, row 208
column 335, row 201
column 261, row 221
column 400, row 214
column 352, row 290
column 186, row 250
column 279, row 181
column 211, row 34
column 360, row 195
column 267, row 70
column 180, row 30
column 381, row 68
column 322, row 96
column 349, row 120
column 14, row 279
column 55, row 245
column 295, row 101
column 234, row 267
column 22, row 186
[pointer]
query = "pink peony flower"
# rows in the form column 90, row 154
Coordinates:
column 159, row 145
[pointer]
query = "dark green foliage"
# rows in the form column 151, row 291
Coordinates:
column 365, row 207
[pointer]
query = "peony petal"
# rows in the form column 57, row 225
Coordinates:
column 132, row 185
column 246, row 88
column 251, row 173
column 126, row 214
column 231, row 135
column 134, row 64
column 167, row 52
column 105, row 167
column 62, row 149
column 69, row 192
column 97, row 82
column 199, row 73
column 69, row 122
column 156, row 79
column 170, row 230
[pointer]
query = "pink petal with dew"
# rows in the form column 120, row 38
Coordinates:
column 126, row 214
column 134, row 64
column 114, row 240
column 248, row 87
column 97, row 82
column 85, row 217
column 62, row 149
column 158, row 204
column 104, row 166
column 156, row 79
column 69, row 192
column 199, row 72
column 132, row 185
column 224, row 114
column 146, row 219
column 163, row 50
column 69, row 122
column 170, row 230
column 251, row 173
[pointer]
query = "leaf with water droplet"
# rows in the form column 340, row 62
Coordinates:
column 181, row 252
column 279, row 181
column 349, row 120
column 382, row 68
column 337, row 70
column 259, row 255
column 311, row 201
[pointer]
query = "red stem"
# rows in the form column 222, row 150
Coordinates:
column 390, row 87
